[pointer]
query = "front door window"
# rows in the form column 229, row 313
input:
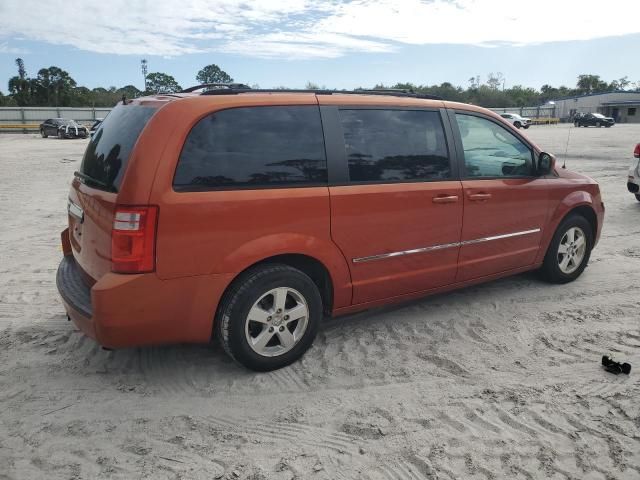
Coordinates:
column 491, row 151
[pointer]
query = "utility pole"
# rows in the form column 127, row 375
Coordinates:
column 143, row 66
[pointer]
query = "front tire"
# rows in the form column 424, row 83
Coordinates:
column 269, row 317
column 60, row 134
column 517, row 125
column 569, row 251
column 43, row 133
column 638, row 196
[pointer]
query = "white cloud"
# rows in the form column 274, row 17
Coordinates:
column 308, row 28
column 6, row 48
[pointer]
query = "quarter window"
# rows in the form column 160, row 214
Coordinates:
column 394, row 145
column 254, row 147
column 492, row 151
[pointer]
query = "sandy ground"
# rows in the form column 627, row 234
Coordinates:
column 496, row 381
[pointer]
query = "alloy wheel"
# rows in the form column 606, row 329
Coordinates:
column 276, row 322
column 571, row 250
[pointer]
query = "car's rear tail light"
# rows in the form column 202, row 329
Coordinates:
column 636, row 152
column 133, row 239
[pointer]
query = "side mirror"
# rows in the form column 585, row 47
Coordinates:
column 546, row 163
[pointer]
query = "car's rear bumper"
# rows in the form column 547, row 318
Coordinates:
column 136, row 310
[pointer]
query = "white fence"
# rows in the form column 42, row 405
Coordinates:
column 24, row 118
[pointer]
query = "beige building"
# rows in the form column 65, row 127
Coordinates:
column 624, row 107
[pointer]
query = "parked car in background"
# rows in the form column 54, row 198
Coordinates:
column 633, row 181
column 95, row 126
column 248, row 216
column 593, row 120
column 62, row 128
column 516, row 120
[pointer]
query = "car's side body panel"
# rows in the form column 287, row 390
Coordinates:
column 206, row 232
column 567, row 192
column 396, row 238
column 502, row 232
column 227, row 231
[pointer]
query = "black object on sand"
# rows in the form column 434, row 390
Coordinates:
column 612, row 366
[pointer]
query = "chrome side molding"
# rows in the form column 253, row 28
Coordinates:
column 383, row 256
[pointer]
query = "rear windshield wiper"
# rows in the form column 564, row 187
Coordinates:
column 87, row 178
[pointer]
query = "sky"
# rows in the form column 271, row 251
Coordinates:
column 337, row 44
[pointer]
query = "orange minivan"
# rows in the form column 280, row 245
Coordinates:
column 249, row 215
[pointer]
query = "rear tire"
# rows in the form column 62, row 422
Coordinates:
column 526, row 126
column 43, row 134
column 638, row 196
column 556, row 268
column 253, row 323
column 60, row 135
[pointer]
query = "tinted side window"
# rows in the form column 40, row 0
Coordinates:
column 492, row 151
column 394, row 145
column 254, row 147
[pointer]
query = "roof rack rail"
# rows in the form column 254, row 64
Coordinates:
column 222, row 86
column 234, row 90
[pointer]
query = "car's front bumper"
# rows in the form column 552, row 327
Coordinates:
column 72, row 133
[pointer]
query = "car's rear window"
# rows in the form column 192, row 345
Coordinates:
column 106, row 157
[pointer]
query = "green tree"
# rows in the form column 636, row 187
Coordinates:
column 591, row 84
column 159, row 82
column 495, row 81
column 213, row 74
column 6, row 101
column 19, row 86
column 129, row 91
column 620, row 84
column 53, row 87
column 81, row 97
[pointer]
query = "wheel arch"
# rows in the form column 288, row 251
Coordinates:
column 311, row 266
column 587, row 212
column 578, row 202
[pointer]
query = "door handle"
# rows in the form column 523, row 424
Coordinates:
column 445, row 199
column 478, row 197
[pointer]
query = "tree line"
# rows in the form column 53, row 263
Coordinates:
column 492, row 92
column 54, row 86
